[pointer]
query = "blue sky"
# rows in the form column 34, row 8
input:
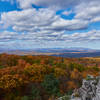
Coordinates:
column 28, row 24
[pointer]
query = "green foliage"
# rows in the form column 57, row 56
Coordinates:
column 52, row 76
column 35, row 93
column 25, row 98
column 2, row 67
column 71, row 66
column 10, row 96
column 61, row 65
column 96, row 68
column 66, row 97
column 50, row 61
column 79, row 67
column 70, row 92
column 51, row 84
column 89, row 77
column 17, row 98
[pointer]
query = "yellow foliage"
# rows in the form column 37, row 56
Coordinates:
column 10, row 81
column 59, row 72
column 36, row 72
column 75, row 74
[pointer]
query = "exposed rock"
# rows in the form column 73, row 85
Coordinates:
column 90, row 90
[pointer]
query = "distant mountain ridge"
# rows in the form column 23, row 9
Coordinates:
column 78, row 55
column 61, row 52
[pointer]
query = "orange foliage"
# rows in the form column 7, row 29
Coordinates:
column 75, row 74
column 10, row 81
column 17, row 71
column 58, row 72
column 71, row 85
column 37, row 72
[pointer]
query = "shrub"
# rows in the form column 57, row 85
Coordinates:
column 35, row 93
column 25, row 98
column 51, row 84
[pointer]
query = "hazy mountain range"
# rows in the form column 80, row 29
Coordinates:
column 62, row 52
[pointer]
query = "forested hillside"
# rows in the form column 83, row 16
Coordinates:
column 42, row 77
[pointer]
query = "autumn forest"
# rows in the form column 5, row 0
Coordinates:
column 42, row 77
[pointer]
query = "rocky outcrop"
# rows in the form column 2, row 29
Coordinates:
column 90, row 89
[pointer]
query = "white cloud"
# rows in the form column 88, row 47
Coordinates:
column 28, row 18
column 70, row 24
column 57, row 4
column 87, row 11
column 67, row 12
column 43, row 25
column 31, row 20
column 93, row 35
column 96, row 19
column 54, row 4
column 7, row 36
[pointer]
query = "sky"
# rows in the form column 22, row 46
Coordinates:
column 29, row 24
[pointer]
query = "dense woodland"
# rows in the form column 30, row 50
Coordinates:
column 42, row 77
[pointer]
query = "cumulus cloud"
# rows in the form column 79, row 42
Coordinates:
column 7, row 36
column 57, row 4
column 88, row 11
column 93, row 35
column 27, row 17
column 31, row 20
column 46, row 18
column 44, row 25
column 96, row 19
